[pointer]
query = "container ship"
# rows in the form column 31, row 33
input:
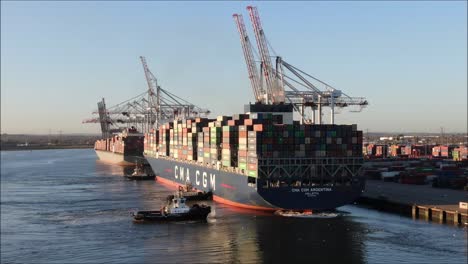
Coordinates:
column 262, row 159
column 124, row 148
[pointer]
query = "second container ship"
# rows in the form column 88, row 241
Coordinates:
column 261, row 160
column 124, row 148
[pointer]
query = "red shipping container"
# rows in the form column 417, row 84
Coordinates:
column 258, row 127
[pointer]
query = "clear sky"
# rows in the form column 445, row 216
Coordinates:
column 59, row 58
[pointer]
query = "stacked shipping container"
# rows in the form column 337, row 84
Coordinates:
column 436, row 151
column 238, row 142
column 376, row 150
column 150, row 142
column 124, row 144
column 396, row 150
column 460, row 153
column 414, row 151
column 443, row 151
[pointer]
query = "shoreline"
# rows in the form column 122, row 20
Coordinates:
column 46, row 147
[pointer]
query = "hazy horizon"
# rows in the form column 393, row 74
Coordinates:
column 409, row 59
column 56, row 133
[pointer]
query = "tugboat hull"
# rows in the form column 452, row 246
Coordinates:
column 198, row 196
column 196, row 213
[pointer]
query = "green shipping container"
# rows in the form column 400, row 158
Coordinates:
column 252, row 173
column 243, row 166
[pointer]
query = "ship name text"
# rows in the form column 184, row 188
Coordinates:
column 201, row 177
column 311, row 190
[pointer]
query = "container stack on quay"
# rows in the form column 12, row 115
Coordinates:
column 413, row 151
column 376, row 150
column 436, row 151
column 237, row 142
column 450, row 177
column 396, row 150
column 460, row 153
column 438, row 173
column 444, row 151
column 416, row 151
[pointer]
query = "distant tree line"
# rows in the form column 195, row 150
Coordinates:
column 17, row 141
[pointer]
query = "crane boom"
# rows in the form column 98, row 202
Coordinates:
column 275, row 92
column 154, row 93
column 152, row 82
column 103, row 118
column 317, row 95
column 249, row 59
column 146, row 110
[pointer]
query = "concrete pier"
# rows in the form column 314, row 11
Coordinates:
column 418, row 201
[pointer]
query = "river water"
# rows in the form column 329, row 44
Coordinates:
column 64, row 206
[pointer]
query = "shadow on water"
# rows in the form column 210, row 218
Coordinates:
column 335, row 240
column 231, row 236
column 104, row 168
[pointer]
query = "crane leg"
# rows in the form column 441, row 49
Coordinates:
column 313, row 115
column 332, row 111
column 320, row 110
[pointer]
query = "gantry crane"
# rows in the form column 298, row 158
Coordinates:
column 259, row 93
column 146, row 110
column 275, row 92
column 285, row 75
column 164, row 105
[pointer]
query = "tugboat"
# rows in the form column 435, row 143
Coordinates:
column 140, row 174
column 192, row 194
column 175, row 210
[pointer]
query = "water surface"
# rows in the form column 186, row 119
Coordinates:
column 63, row 206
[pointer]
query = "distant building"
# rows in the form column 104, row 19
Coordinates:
column 386, row 138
